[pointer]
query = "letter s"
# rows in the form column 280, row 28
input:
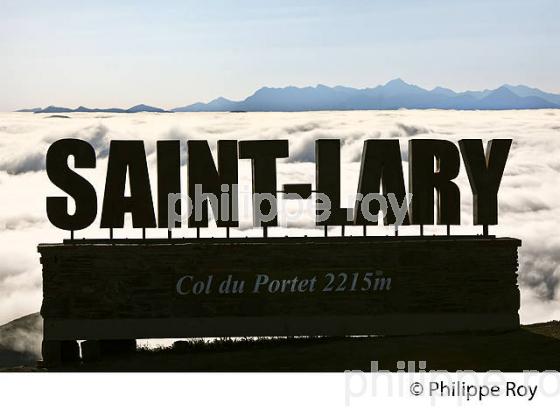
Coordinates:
column 73, row 184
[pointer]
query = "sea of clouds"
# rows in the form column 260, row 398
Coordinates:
column 529, row 196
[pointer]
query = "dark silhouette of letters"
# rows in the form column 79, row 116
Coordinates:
column 263, row 155
column 433, row 165
column 127, row 156
column 327, row 166
column 73, row 184
column 202, row 172
column 381, row 167
column 168, row 179
column 423, row 179
column 485, row 174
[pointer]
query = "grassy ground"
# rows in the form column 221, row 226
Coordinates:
column 533, row 347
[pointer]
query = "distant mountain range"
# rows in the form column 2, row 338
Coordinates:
column 393, row 95
column 51, row 109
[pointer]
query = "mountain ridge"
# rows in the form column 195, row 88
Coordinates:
column 394, row 94
column 52, row 109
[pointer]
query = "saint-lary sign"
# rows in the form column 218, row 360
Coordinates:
column 103, row 289
column 433, row 165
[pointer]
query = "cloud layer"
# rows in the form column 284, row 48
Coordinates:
column 529, row 198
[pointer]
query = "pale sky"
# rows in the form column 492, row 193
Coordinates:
column 173, row 53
